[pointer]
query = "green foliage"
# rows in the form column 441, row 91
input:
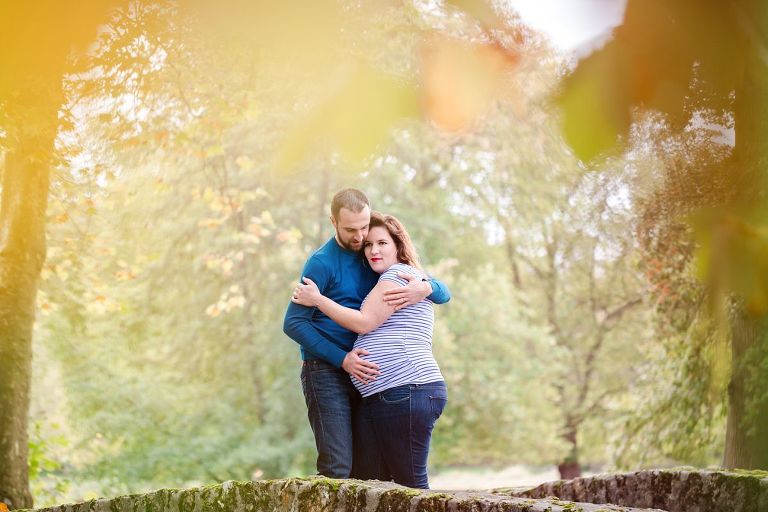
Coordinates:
column 50, row 485
column 175, row 237
column 496, row 368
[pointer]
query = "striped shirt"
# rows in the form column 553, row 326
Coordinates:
column 402, row 345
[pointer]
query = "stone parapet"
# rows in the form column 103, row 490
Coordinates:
column 674, row 490
column 326, row 495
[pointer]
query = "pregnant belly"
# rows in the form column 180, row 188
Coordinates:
column 384, row 354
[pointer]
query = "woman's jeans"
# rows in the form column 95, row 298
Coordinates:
column 401, row 420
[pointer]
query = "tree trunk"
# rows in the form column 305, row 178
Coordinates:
column 570, row 467
column 746, row 439
column 25, row 181
column 746, row 444
column 31, row 93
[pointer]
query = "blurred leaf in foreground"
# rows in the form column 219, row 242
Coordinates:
column 359, row 109
column 461, row 79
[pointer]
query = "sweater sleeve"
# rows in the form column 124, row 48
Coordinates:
column 440, row 292
column 298, row 323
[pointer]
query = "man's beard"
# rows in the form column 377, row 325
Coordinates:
column 348, row 245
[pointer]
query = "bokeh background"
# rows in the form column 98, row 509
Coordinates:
column 571, row 171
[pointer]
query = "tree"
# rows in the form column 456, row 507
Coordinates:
column 37, row 39
column 676, row 173
column 566, row 247
column 651, row 63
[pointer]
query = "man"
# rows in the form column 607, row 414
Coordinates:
column 326, row 348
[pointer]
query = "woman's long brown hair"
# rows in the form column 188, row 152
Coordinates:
column 406, row 252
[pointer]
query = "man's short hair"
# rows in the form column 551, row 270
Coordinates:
column 349, row 198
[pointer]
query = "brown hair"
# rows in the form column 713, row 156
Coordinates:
column 349, row 198
column 406, row 252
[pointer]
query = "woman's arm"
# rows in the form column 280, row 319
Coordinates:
column 372, row 314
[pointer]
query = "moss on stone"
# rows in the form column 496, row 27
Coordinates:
column 710, row 490
column 751, row 473
column 396, row 499
column 437, row 495
column 332, row 483
column 435, row 502
column 567, row 505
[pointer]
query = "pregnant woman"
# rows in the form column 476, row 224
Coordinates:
column 401, row 405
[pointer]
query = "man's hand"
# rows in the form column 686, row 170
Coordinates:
column 362, row 370
column 416, row 291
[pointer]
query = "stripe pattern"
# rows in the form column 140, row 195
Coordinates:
column 402, row 345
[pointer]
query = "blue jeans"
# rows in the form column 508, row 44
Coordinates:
column 402, row 419
column 332, row 408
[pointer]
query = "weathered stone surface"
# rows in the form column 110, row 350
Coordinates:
column 674, row 490
column 326, row 495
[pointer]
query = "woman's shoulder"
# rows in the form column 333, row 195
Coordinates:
column 403, row 268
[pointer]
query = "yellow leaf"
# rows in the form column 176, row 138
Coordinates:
column 125, row 275
column 245, row 163
column 235, row 302
column 214, row 151
column 61, row 218
column 63, row 274
column 210, row 223
column 266, row 218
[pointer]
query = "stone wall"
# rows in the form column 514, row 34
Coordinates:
column 321, row 494
column 660, row 491
column 677, row 490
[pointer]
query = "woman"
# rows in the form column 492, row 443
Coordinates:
column 403, row 403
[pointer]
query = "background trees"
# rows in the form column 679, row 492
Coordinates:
column 689, row 62
column 192, row 179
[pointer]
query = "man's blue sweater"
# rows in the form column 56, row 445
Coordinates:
column 342, row 276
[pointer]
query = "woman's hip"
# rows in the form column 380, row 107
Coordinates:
column 407, row 399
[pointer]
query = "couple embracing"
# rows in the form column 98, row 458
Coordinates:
column 363, row 317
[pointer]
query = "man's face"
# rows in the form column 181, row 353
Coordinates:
column 351, row 227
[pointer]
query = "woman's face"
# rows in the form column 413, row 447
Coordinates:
column 380, row 249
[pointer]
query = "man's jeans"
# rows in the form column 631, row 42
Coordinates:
column 332, row 402
column 402, row 419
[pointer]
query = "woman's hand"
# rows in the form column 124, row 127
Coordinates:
column 306, row 294
column 414, row 292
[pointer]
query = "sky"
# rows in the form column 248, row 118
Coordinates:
column 573, row 25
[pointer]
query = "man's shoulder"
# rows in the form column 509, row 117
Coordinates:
column 324, row 256
column 324, row 252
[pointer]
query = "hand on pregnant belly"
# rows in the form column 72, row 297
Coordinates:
column 359, row 368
